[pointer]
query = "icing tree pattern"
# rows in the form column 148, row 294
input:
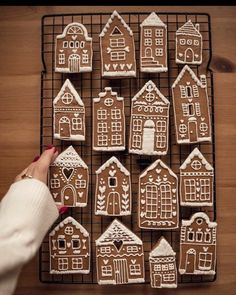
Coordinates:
column 158, row 206
column 117, row 48
column 162, row 261
column 68, row 179
column 198, row 245
column 113, row 189
column 149, row 123
column 108, row 122
column 69, row 244
column 189, row 44
column 73, row 52
column 153, row 45
column 196, row 181
column 191, row 107
column 119, row 255
column 68, row 114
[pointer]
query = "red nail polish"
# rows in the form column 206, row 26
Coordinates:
column 50, row 146
column 36, row 159
column 63, row 210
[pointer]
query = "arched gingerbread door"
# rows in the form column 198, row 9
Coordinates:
column 190, row 261
column 189, row 55
column 113, row 203
column 74, row 63
column 64, row 127
column 148, row 137
column 68, row 196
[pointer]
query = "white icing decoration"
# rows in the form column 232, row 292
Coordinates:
column 202, row 215
column 153, row 20
column 188, row 29
column 110, row 162
column 163, row 248
column 154, row 165
column 196, row 153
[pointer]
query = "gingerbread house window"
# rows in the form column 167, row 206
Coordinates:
column 147, row 33
column 80, row 183
column 148, row 42
column 137, row 125
column 205, row 260
column 116, row 139
column 171, row 266
column 159, row 33
column 55, row 183
column 196, row 165
column 190, row 237
column 161, row 141
column 75, row 30
column 131, row 249
column 205, row 189
column 112, row 181
column 164, row 267
column 62, row 59
column 150, row 96
column 135, row 269
column 159, row 52
column 76, row 124
column 189, row 41
column 102, row 127
column 69, row 230
column 116, row 114
column 76, row 243
column 119, row 42
column 77, row 263
column 65, row 44
column 182, row 41
column 182, row 128
column 62, row 263
column 102, row 140
column 166, row 201
column 115, row 126
column 102, row 114
column 169, row 277
column 106, row 270
column 190, row 189
column 157, row 267
column 108, row 101
column 151, row 201
column 207, row 237
column 203, row 127
column 105, row 250
column 85, row 58
column 116, row 31
column 159, row 41
column 199, row 236
column 117, row 55
column 161, row 126
column 61, row 244
column 67, row 98
column 196, row 42
column 189, row 91
column 136, row 141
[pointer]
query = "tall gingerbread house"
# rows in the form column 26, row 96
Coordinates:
column 149, row 122
column 68, row 179
column 108, row 121
column 117, row 48
column 68, row 114
column 153, row 45
column 73, row 53
column 113, row 189
column 120, row 256
column 191, row 107
column 196, row 181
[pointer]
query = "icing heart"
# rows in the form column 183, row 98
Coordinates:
column 202, row 119
column 142, row 214
column 112, row 173
column 158, row 171
column 74, row 50
column 133, row 261
column 143, row 202
column 181, row 121
column 190, row 100
column 61, row 50
column 68, row 244
column 76, row 115
column 79, row 176
column 55, row 175
column 67, row 197
column 85, row 51
column 173, row 190
column 67, row 172
column 74, row 37
column 105, row 261
column 205, row 248
column 174, row 213
column 198, row 189
column 142, row 190
column 80, row 194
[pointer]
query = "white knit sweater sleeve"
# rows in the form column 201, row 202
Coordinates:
column 27, row 212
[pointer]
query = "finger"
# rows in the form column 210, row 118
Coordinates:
column 28, row 170
column 46, row 159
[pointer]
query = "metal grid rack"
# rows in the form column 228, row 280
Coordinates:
column 89, row 85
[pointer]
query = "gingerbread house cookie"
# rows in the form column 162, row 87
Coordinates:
column 69, row 246
column 162, row 262
column 120, row 256
column 198, row 245
column 149, row 123
column 196, row 181
column 117, row 49
column 191, row 107
column 108, row 122
column 158, row 206
column 189, row 44
column 113, row 189
column 73, row 52
column 68, row 114
column 68, row 179
column 153, row 45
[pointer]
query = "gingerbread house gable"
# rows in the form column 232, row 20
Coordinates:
column 69, row 245
column 149, row 122
column 108, row 121
column 198, row 245
column 158, row 206
column 73, row 53
column 117, row 48
column 153, row 45
column 162, row 261
column 68, row 179
column 113, row 189
column 191, row 107
column 68, row 114
column 189, row 44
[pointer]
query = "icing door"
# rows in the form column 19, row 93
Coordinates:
column 156, row 280
column 190, row 261
column 74, row 63
column 192, row 129
column 121, row 271
column 148, row 137
column 189, row 56
column 113, row 203
column 68, row 196
column 64, row 127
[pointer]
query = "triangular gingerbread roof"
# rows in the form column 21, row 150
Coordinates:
column 102, row 94
column 75, row 24
column 154, row 165
column 65, row 222
column 202, row 215
column 151, row 86
column 153, row 20
column 202, row 159
column 109, row 22
column 69, row 158
column 68, row 84
column 162, row 248
column 109, row 162
column 117, row 231
column 185, row 69
column 188, row 29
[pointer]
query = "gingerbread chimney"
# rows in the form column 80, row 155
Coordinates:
column 197, row 26
column 203, row 80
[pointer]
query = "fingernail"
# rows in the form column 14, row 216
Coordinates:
column 56, row 150
column 63, row 210
column 36, row 159
column 50, row 146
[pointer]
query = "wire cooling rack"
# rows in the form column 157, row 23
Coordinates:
column 89, row 85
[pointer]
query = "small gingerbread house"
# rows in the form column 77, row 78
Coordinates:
column 153, row 45
column 196, row 181
column 68, row 114
column 117, row 48
column 108, row 121
column 120, row 256
column 162, row 261
column 68, row 179
column 73, row 53
column 189, row 44
column 191, row 107
column 113, row 189
column 149, row 125
column 69, row 245
column 158, row 206
column 198, row 245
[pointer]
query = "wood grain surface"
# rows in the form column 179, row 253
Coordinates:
column 20, row 64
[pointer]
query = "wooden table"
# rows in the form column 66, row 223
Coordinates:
column 20, row 64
